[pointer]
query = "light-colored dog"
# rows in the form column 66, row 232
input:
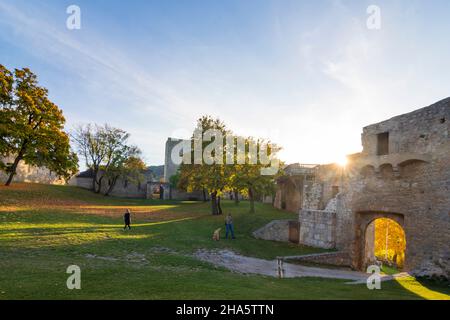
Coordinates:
column 216, row 235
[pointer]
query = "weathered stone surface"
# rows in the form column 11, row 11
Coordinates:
column 317, row 228
column 276, row 230
column 170, row 168
column 337, row 258
column 416, row 190
column 289, row 193
column 27, row 173
column 405, row 177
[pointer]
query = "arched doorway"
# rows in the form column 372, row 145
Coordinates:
column 385, row 243
column 380, row 238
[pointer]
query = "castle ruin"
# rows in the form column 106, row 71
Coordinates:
column 402, row 174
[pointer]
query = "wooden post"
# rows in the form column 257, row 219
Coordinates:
column 280, row 267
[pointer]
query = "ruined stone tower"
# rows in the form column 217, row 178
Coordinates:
column 170, row 168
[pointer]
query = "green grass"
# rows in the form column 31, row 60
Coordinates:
column 389, row 270
column 44, row 229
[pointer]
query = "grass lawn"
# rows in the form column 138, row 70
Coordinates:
column 44, row 229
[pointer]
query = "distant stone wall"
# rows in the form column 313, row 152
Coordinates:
column 127, row 189
column 276, row 230
column 318, row 228
column 289, row 193
column 85, row 183
column 27, row 173
column 122, row 188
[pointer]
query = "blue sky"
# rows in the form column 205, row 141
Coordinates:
column 305, row 74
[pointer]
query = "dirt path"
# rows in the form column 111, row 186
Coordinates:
column 243, row 264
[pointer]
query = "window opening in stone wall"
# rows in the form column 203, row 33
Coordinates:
column 383, row 143
column 334, row 191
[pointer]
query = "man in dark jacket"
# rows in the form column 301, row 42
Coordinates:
column 127, row 219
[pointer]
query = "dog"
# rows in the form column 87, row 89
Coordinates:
column 216, row 235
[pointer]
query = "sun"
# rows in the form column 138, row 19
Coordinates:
column 342, row 161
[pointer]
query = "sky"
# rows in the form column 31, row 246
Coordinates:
column 307, row 75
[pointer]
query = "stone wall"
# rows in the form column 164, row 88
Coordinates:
column 127, row 189
column 325, row 186
column 290, row 186
column 289, row 193
column 85, row 183
column 123, row 188
column 410, row 184
column 313, row 196
column 421, row 131
column 27, row 173
column 318, row 228
column 276, row 230
column 327, row 258
column 413, row 181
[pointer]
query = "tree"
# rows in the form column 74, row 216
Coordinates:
column 104, row 150
column 130, row 168
column 190, row 179
column 247, row 177
column 31, row 126
column 204, row 175
column 389, row 241
column 221, row 176
column 175, row 179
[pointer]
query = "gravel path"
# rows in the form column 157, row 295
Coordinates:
column 243, row 264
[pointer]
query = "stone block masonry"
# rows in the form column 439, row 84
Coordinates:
column 277, row 230
column 317, row 228
column 402, row 174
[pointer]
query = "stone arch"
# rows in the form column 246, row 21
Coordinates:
column 367, row 171
column 386, row 170
column 363, row 220
column 411, row 162
column 292, row 195
column 411, row 168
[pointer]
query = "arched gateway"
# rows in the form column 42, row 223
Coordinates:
column 365, row 234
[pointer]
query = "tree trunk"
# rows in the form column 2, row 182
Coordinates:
column 16, row 163
column 252, row 200
column 236, row 197
column 204, row 195
column 218, row 205
column 13, row 169
column 94, row 180
column 214, row 207
column 99, row 183
column 111, row 186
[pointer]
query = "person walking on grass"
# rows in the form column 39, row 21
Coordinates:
column 229, row 226
column 127, row 220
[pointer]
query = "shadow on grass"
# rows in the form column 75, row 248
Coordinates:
column 38, row 244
